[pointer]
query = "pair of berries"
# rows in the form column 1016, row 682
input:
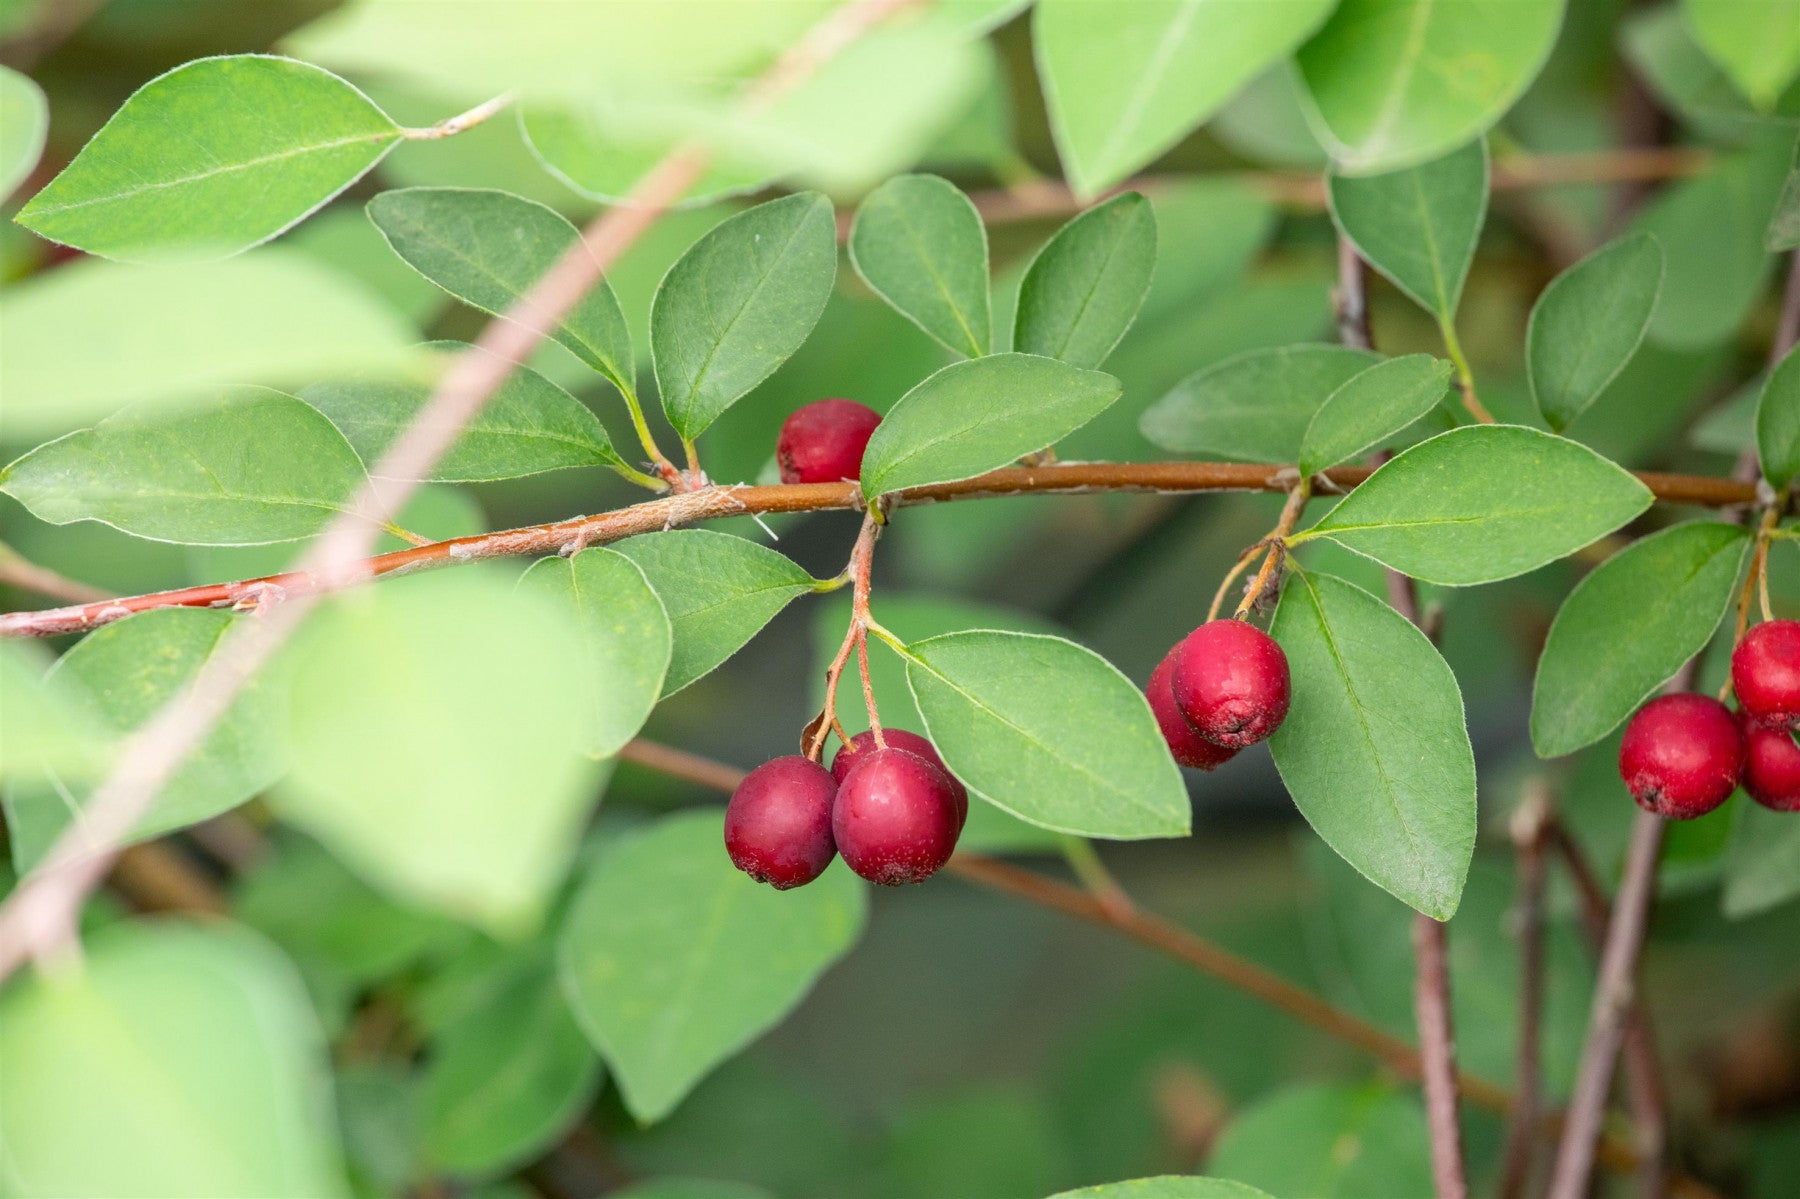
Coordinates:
column 1683, row 755
column 894, row 814
column 823, row 442
column 1222, row 688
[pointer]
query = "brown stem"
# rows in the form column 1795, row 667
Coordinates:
column 19, row 572
column 1431, row 1003
column 1274, row 548
column 1066, row 478
column 1529, row 836
column 1613, row 998
column 862, row 559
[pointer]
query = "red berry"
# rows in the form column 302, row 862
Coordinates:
column 1682, row 755
column 851, row 755
column 778, row 823
column 1189, row 747
column 895, row 817
column 1765, row 673
column 1771, row 766
column 823, row 442
column 1230, row 681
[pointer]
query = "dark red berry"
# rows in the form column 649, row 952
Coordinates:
column 778, row 823
column 895, row 817
column 1771, row 766
column 1682, row 755
column 1765, row 673
column 824, row 441
column 1230, row 681
column 848, row 756
column 1189, row 747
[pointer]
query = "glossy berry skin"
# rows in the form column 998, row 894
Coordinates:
column 1188, row 747
column 1765, row 673
column 848, row 756
column 778, row 823
column 895, row 818
column 1230, row 681
column 1771, row 766
column 1682, row 755
column 824, row 441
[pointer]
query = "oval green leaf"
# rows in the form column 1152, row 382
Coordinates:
column 674, row 960
column 979, row 415
column 1255, row 406
column 24, row 119
column 1418, row 226
column 1393, row 83
column 1049, row 731
column 488, row 248
column 252, row 467
column 191, row 1054
column 625, row 634
column 1086, row 285
column 919, row 243
column 718, row 590
column 530, row 425
column 1778, row 423
column 1756, row 42
column 1125, row 81
column 1588, row 324
column 216, row 156
column 1371, row 407
column 1168, row 1186
column 739, row 303
column 1483, row 503
column 1627, row 628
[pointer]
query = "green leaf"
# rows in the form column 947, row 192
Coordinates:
column 625, row 634
column 1255, row 406
column 1168, row 1186
column 1659, row 45
column 488, row 248
column 24, row 119
column 718, row 590
column 674, row 960
column 1371, row 407
column 1757, row 42
column 978, row 415
column 1086, row 285
column 177, row 332
column 436, row 726
column 121, row 676
column 1125, row 81
column 1627, row 628
column 1393, row 83
column 575, row 143
column 1329, row 1142
column 1374, row 749
column 1482, row 503
column 179, row 1060
column 1588, row 324
column 529, row 426
column 919, row 243
column 254, row 466
column 508, row 1078
column 739, row 303
column 216, row 156
column 1419, row 226
column 1784, row 226
column 1778, row 423
column 1762, row 861
column 48, row 730
column 1049, row 731
column 691, row 1188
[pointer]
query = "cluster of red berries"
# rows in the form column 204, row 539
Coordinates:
column 1222, row 688
column 823, row 442
column 894, row 813
column 1684, row 754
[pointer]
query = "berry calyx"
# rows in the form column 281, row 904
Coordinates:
column 1682, row 755
column 850, row 755
column 778, row 823
column 1230, row 680
column 1771, row 766
column 824, row 441
column 1188, row 747
column 1765, row 673
column 895, row 818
